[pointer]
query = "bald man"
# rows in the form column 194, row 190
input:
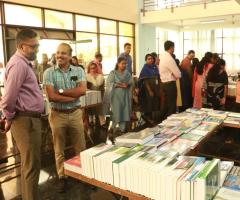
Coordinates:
column 64, row 84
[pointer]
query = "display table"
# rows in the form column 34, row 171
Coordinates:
column 110, row 188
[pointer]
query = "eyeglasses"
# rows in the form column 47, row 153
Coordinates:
column 36, row 46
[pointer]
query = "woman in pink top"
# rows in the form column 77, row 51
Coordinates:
column 200, row 73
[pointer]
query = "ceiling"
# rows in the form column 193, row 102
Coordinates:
column 214, row 15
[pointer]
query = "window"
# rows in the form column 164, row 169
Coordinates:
column 84, row 23
column 86, row 46
column 58, row 20
column 108, row 26
column 23, row 15
column 125, row 29
column 199, row 41
column 49, row 46
column 108, row 48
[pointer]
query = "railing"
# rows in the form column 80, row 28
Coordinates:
column 151, row 5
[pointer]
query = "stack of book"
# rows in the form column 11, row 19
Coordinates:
column 140, row 137
column 232, row 120
column 92, row 97
column 87, row 158
column 74, row 165
column 233, row 114
column 203, row 129
column 213, row 120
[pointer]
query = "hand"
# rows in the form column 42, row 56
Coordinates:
column 124, row 85
column 7, row 126
column 151, row 93
column 223, row 101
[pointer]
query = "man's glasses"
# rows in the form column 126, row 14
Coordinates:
column 36, row 46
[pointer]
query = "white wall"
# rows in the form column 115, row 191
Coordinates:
column 124, row 10
column 145, row 40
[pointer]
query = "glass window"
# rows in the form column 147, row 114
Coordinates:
column 59, row 20
column 49, row 46
column 84, row 23
column 86, row 46
column 108, row 48
column 108, row 26
column 125, row 29
column 218, row 33
column 23, row 15
column 228, row 32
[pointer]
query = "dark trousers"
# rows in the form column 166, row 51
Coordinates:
column 170, row 93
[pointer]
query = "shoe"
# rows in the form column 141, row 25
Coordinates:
column 62, row 185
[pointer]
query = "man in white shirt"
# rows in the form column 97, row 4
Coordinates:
column 169, row 73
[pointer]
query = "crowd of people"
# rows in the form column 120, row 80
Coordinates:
column 165, row 86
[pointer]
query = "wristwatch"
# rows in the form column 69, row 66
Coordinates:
column 60, row 91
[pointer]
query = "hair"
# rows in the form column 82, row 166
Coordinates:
column 154, row 54
column 214, row 71
column 119, row 60
column 98, row 55
column 25, row 34
column 168, row 44
column 205, row 60
column 149, row 55
column 195, row 62
column 127, row 44
column 191, row 51
column 89, row 65
column 215, row 56
column 74, row 57
column 69, row 47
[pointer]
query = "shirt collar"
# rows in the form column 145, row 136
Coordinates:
column 56, row 67
column 18, row 54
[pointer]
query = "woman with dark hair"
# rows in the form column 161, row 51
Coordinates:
column 199, row 82
column 217, row 85
column 74, row 62
column 195, row 62
column 118, row 95
column 95, row 81
column 149, row 91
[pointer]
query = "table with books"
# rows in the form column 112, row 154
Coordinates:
column 154, row 163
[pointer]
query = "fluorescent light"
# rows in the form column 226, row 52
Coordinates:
column 212, row 21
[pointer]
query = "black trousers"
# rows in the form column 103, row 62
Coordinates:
column 170, row 100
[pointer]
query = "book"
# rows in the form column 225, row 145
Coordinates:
column 140, row 137
column 190, row 136
column 208, row 181
column 227, row 194
column 233, row 179
column 232, row 120
column 234, row 114
column 156, row 142
column 74, row 165
column 203, row 129
column 213, row 120
column 225, row 168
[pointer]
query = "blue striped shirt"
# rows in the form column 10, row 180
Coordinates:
column 60, row 79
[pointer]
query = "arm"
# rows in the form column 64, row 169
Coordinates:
column 55, row 97
column 15, row 78
column 80, row 90
column 174, row 68
column 150, row 92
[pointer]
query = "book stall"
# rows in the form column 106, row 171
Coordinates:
column 161, row 162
